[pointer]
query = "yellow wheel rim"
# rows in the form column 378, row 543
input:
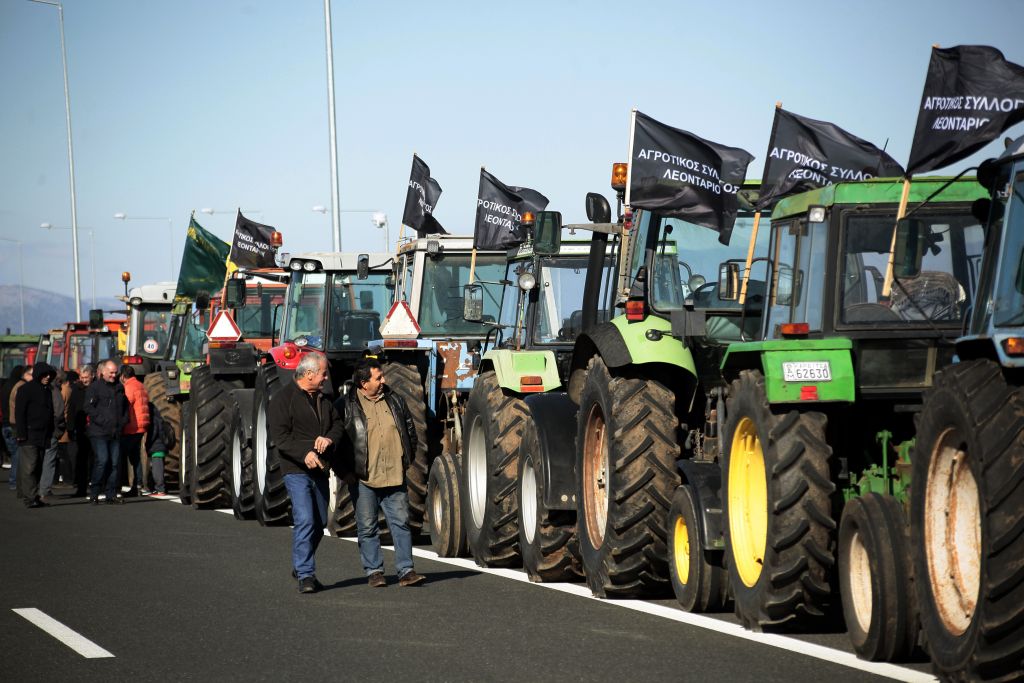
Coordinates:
column 681, row 550
column 748, row 502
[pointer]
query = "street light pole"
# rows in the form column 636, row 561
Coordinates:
column 21, row 279
column 71, row 158
column 121, row 215
column 335, row 201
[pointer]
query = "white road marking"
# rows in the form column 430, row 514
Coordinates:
column 72, row 639
column 827, row 654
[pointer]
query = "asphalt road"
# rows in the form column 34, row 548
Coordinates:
column 175, row 594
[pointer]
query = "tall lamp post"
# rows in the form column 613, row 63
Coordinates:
column 120, row 215
column 71, row 156
column 21, row 279
column 335, row 202
column 92, row 251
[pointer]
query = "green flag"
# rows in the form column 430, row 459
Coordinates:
column 202, row 263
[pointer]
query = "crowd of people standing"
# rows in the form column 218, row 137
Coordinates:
column 74, row 428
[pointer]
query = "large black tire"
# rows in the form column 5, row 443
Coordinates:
column 699, row 579
column 406, row 382
column 493, row 426
column 547, row 538
column 876, row 579
column 341, row 513
column 238, row 467
column 188, row 454
column 170, row 412
column 967, row 523
column 447, row 535
column 211, row 407
column 627, row 444
column 779, row 532
column 271, row 502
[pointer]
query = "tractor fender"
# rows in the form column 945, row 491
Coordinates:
column 705, row 480
column 554, row 415
column 510, row 366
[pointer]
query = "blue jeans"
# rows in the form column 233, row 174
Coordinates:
column 12, row 448
column 395, row 503
column 105, row 470
column 309, row 517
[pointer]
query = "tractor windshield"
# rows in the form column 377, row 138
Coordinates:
column 938, row 253
column 85, row 349
column 304, row 306
column 1009, row 295
column 261, row 312
column 560, row 299
column 441, row 301
column 55, row 354
column 357, row 307
column 150, row 331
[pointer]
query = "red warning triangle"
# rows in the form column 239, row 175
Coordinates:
column 400, row 323
column 223, row 328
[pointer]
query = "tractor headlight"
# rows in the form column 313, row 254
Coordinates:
column 527, row 281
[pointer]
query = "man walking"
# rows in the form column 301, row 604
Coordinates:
column 383, row 442
column 51, row 458
column 79, row 448
column 9, row 417
column 304, row 427
column 105, row 408
column 33, row 417
column 135, row 429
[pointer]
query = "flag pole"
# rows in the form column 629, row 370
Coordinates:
column 624, row 245
column 900, row 213
column 472, row 258
column 757, row 216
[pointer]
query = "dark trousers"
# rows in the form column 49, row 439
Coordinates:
column 104, row 471
column 83, row 464
column 131, row 453
column 30, row 466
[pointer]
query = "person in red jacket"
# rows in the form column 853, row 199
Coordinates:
column 138, row 422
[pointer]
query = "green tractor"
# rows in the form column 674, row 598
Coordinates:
column 967, row 502
column 507, row 507
column 819, row 416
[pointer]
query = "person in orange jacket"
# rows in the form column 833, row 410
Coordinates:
column 135, row 429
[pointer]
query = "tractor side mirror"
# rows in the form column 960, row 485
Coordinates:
column 235, row 293
column 363, row 267
column 473, row 303
column 547, row 233
column 598, row 210
column 202, row 300
column 729, row 281
column 96, row 318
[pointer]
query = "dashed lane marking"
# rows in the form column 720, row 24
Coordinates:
column 76, row 641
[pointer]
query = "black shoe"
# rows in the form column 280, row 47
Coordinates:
column 118, row 500
column 93, row 500
column 35, row 504
column 132, row 493
column 309, row 584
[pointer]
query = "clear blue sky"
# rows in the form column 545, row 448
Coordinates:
column 182, row 105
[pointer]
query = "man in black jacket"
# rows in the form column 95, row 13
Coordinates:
column 107, row 411
column 33, row 416
column 304, row 427
column 382, row 438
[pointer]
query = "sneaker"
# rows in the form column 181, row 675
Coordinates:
column 132, row 493
column 309, row 584
column 376, row 580
column 411, row 578
column 144, row 491
column 157, row 494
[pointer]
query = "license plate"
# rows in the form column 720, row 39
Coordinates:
column 807, row 371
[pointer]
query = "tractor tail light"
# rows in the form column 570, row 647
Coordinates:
column 531, row 383
column 794, row 329
column 1014, row 346
column 635, row 310
column 132, row 360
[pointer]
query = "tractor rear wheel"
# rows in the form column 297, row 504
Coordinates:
column 699, row 580
column 404, row 379
column 967, row 522
column 876, row 579
column 170, row 412
column 547, row 538
column 447, row 534
column 273, row 507
column 238, row 476
column 779, row 532
column 212, row 414
column 493, row 428
column 188, row 454
column 627, row 445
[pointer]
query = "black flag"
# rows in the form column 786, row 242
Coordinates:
column 250, row 247
column 499, row 209
column 679, row 174
column 420, row 198
column 805, row 154
column 972, row 94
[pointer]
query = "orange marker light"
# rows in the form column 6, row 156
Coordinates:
column 1014, row 346
column 527, row 218
column 794, row 329
column 276, row 239
column 619, row 172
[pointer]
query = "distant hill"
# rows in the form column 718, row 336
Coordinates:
column 44, row 310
